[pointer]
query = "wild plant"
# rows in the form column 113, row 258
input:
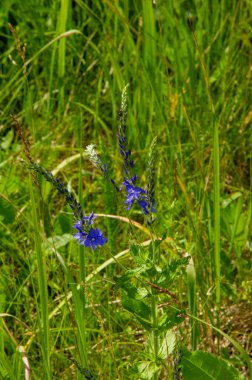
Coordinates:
column 145, row 285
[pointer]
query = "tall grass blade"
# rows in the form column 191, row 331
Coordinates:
column 216, row 179
column 62, row 21
column 43, row 293
column 216, row 160
column 192, row 300
column 78, row 310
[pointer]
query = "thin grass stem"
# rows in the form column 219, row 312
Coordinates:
column 43, row 293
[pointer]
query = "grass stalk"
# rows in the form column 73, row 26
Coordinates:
column 62, row 21
column 216, row 179
column 78, row 311
column 43, row 294
column 192, row 301
column 80, row 194
column 216, row 164
column 82, row 259
column 149, row 35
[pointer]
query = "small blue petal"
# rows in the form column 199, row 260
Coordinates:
column 94, row 238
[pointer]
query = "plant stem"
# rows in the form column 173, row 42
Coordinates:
column 43, row 295
column 155, row 330
column 154, row 306
column 82, row 260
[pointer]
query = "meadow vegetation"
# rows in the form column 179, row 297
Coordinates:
column 165, row 293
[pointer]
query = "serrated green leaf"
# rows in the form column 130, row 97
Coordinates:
column 137, row 271
column 139, row 309
column 136, row 307
column 132, row 291
column 151, row 271
column 200, row 365
column 142, row 293
column 170, row 319
column 170, row 273
column 156, row 243
column 137, row 252
column 147, row 370
column 167, row 345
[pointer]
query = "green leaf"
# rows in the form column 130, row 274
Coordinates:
column 170, row 319
column 200, row 365
column 137, row 253
column 136, row 307
column 156, row 244
column 57, row 241
column 170, row 273
column 167, row 346
column 134, row 292
column 147, row 370
column 139, row 309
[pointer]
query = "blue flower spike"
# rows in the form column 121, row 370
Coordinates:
column 88, row 236
column 136, row 194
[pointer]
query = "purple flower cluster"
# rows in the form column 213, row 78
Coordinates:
column 144, row 198
column 135, row 193
column 88, row 236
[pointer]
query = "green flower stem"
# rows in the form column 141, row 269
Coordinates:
column 155, row 329
column 154, row 304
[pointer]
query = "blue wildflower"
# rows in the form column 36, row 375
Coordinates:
column 80, row 236
column 141, row 196
column 94, row 238
column 135, row 193
column 89, row 219
column 144, row 205
column 88, row 236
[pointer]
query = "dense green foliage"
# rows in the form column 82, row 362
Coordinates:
column 63, row 65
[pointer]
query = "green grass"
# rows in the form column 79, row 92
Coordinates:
column 42, row 306
column 188, row 66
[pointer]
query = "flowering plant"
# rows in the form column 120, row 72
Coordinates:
column 140, row 296
column 86, row 235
